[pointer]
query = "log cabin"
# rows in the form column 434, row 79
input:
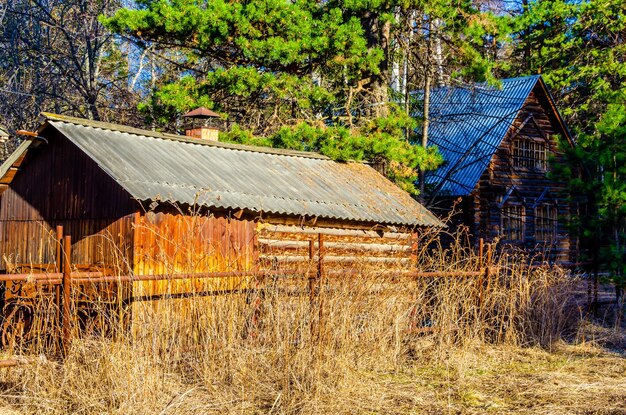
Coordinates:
column 499, row 146
column 139, row 202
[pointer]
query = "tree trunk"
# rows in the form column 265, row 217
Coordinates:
column 378, row 36
column 425, row 125
column 437, row 51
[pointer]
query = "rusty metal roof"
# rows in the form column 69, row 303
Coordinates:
column 201, row 112
column 468, row 125
column 168, row 168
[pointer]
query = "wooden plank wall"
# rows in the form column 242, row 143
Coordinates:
column 99, row 245
column 59, row 185
column 168, row 243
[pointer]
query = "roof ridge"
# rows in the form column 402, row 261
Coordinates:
column 517, row 78
column 486, row 86
column 51, row 117
column 534, row 77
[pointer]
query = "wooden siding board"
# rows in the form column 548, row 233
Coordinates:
column 168, row 243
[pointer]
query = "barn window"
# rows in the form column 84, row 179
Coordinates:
column 530, row 154
column 546, row 223
column 512, row 226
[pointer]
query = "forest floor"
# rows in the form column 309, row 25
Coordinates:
column 567, row 380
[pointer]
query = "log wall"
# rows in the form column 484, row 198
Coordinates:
column 533, row 122
column 295, row 250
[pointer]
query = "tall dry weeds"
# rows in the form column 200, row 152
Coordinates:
column 271, row 349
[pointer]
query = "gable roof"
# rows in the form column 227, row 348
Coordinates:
column 153, row 166
column 469, row 124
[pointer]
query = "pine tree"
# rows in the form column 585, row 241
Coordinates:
column 580, row 49
column 305, row 74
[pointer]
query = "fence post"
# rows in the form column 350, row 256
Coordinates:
column 313, row 289
column 67, row 291
column 595, row 290
column 320, row 257
column 312, row 277
column 57, row 269
column 487, row 272
column 481, row 247
column 59, row 249
column 488, row 264
column 414, row 241
column 320, row 281
column 483, row 276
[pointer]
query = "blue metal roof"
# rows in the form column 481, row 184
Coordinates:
column 468, row 124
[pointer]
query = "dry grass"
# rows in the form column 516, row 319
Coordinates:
column 497, row 346
column 104, row 377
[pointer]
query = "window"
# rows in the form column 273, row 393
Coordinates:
column 530, row 154
column 512, row 219
column 546, row 223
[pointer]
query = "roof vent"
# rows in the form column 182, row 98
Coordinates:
column 206, row 131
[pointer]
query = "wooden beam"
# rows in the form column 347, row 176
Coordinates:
column 335, row 231
column 375, row 247
column 9, row 175
column 27, row 133
column 336, row 259
column 67, row 293
column 9, row 363
column 57, row 269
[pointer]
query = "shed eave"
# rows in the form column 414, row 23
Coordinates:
column 19, row 152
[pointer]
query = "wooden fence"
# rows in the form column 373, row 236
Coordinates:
column 64, row 279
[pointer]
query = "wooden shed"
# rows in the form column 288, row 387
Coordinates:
column 499, row 147
column 142, row 202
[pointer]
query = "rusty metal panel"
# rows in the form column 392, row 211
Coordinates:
column 165, row 168
column 468, row 125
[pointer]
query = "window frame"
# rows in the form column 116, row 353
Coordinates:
column 507, row 231
column 530, row 154
column 546, row 226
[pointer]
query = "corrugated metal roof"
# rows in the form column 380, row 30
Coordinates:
column 158, row 167
column 468, row 125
